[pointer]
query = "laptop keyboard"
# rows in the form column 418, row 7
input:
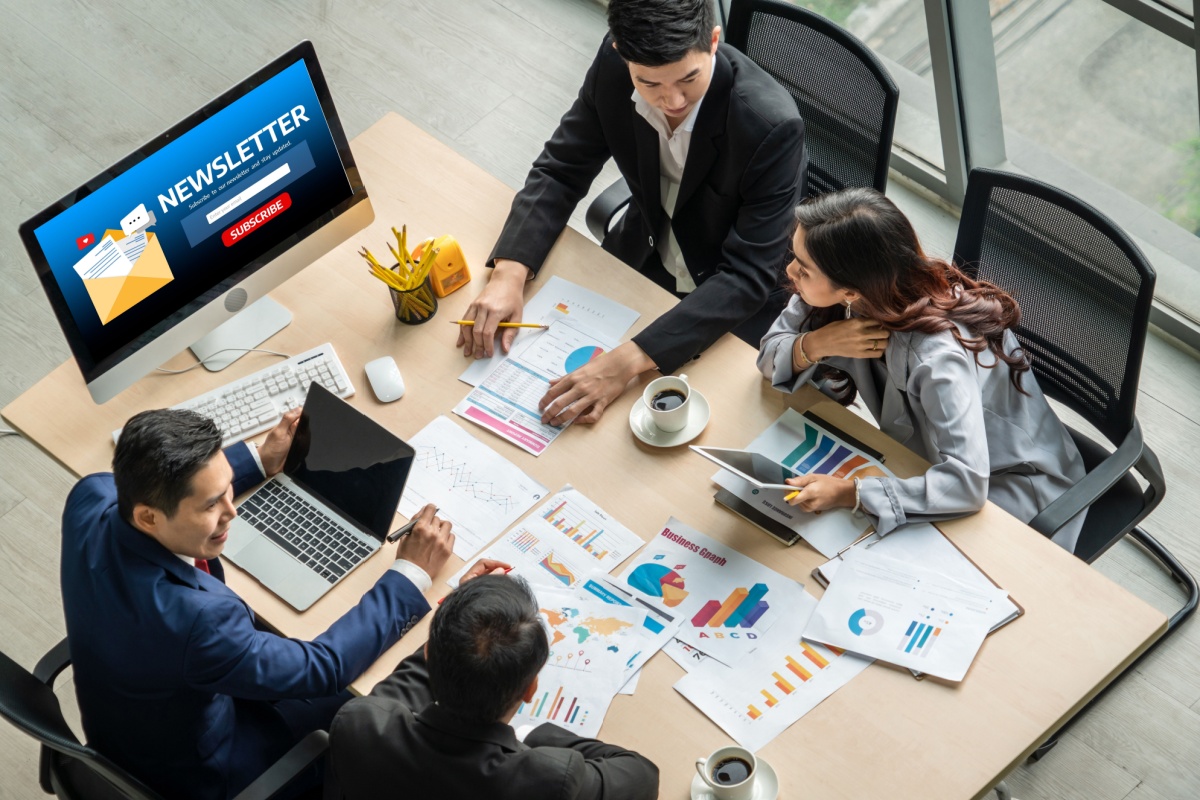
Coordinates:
column 312, row 537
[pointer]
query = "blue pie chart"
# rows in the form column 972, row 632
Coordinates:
column 581, row 356
column 865, row 623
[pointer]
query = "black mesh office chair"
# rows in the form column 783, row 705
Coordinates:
column 74, row 771
column 845, row 96
column 1085, row 291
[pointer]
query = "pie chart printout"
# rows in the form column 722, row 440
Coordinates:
column 581, row 356
column 657, row 580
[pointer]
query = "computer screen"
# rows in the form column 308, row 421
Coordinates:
column 131, row 260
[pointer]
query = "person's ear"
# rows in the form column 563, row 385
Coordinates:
column 716, row 40
column 147, row 519
column 530, row 690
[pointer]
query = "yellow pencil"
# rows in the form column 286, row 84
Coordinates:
column 790, row 495
column 502, row 324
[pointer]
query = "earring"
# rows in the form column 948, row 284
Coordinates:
column 848, row 302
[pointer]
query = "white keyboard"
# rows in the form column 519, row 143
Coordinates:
column 253, row 404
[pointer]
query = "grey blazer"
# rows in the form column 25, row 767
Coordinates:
column 985, row 440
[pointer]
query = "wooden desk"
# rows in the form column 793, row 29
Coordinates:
column 883, row 735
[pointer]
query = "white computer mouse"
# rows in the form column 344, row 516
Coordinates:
column 385, row 379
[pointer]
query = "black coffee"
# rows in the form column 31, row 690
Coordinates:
column 667, row 399
column 731, row 771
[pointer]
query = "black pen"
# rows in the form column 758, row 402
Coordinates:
column 405, row 530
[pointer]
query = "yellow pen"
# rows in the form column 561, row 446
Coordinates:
column 502, row 324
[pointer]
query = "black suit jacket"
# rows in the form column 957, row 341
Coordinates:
column 744, row 174
column 398, row 742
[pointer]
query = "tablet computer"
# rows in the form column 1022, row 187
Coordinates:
column 753, row 467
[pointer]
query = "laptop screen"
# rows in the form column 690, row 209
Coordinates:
column 348, row 461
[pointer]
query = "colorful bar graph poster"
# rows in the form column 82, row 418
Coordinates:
column 562, row 541
column 797, row 442
column 726, row 600
column 474, row 487
column 905, row 614
column 774, row 686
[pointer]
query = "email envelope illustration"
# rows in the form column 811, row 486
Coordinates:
column 123, row 271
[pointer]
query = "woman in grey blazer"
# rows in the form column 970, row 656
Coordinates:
column 930, row 352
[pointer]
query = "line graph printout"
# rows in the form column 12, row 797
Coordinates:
column 477, row 489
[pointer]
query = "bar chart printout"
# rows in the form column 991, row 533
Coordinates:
column 569, row 703
column 774, row 686
column 582, row 523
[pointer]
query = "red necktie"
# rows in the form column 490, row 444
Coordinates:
column 202, row 565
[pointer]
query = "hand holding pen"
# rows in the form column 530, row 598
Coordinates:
column 425, row 541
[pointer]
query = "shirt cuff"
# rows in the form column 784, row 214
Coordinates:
column 419, row 577
column 253, row 447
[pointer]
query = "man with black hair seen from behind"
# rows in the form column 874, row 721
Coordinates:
column 438, row 726
column 712, row 148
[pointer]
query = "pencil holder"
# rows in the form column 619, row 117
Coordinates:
column 414, row 306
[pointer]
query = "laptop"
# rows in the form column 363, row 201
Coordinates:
column 329, row 510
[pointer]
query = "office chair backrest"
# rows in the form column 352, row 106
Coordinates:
column 846, row 97
column 79, row 771
column 1084, row 289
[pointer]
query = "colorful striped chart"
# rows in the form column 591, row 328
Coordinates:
column 820, row 454
column 921, row 635
column 742, row 607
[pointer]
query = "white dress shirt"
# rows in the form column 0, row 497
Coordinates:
column 673, row 146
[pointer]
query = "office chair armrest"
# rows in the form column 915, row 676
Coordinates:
column 1089, row 489
column 602, row 210
column 53, row 663
column 281, row 773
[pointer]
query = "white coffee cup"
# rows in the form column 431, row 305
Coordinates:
column 675, row 419
column 709, row 769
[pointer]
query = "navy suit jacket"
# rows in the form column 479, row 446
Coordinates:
column 174, row 680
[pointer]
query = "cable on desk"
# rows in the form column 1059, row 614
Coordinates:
column 214, row 355
column 9, row 432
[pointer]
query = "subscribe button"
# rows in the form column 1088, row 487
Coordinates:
column 256, row 220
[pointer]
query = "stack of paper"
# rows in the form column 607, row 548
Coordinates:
column 905, row 614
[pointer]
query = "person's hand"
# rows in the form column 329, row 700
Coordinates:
column 583, row 395
column 429, row 544
column 821, row 492
column 850, row 338
column 273, row 452
column 485, row 566
column 502, row 300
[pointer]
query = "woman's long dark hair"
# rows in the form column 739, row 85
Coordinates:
column 861, row 241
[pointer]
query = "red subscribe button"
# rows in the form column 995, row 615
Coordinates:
column 257, row 219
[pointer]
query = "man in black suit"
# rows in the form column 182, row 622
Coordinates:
column 438, row 726
column 713, row 151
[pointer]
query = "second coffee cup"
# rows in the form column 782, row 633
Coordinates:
column 667, row 399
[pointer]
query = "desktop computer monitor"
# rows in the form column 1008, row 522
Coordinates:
column 162, row 250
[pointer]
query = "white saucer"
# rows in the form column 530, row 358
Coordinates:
column 767, row 787
column 651, row 434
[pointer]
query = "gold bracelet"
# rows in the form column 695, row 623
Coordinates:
column 805, row 361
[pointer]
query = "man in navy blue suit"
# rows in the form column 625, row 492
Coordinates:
column 174, row 680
